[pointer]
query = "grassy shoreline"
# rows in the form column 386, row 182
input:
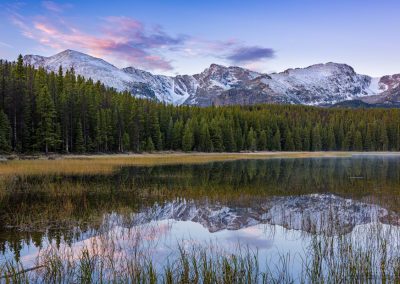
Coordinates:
column 86, row 164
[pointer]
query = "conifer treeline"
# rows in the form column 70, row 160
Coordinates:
column 62, row 112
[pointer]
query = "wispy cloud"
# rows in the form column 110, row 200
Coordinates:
column 250, row 54
column 127, row 41
column 124, row 38
column 55, row 7
column 5, row 44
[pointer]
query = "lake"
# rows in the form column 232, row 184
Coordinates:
column 262, row 220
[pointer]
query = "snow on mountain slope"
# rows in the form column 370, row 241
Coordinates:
column 175, row 90
column 320, row 84
column 84, row 65
column 311, row 213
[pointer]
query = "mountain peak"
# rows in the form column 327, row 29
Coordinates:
column 67, row 51
column 323, row 69
column 77, row 55
column 320, row 84
column 217, row 66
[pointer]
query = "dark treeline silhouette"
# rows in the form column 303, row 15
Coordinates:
column 62, row 112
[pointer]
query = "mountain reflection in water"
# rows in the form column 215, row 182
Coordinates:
column 274, row 206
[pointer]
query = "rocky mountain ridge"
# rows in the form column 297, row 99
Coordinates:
column 319, row 85
column 313, row 213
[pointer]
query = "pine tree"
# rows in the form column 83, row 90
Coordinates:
column 125, row 142
column 205, row 143
column 46, row 131
column 239, row 138
column 187, row 138
column 306, row 141
column 79, row 142
column 252, row 140
column 169, row 134
column 154, row 128
column 18, row 97
column 276, row 140
column 177, row 132
column 330, row 143
column 289, row 144
column 368, row 145
column 383, row 139
column 5, row 131
column 316, row 144
column 228, row 139
column 357, row 142
column 149, row 145
column 216, row 137
column 262, row 141
column 348, row 141
column 39, row 110
column 297, row 139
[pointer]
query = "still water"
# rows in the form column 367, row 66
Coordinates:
column 276, row 209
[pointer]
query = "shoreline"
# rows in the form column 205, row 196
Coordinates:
column 55, row 156
column 107, row 163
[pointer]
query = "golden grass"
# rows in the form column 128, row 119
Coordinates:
column 103, row 164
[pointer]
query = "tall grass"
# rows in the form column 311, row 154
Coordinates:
column 105, row 164
column 368, row 256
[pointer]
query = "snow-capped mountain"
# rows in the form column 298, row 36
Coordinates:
column 320, row 84
column 84, row 65
column 326, row 213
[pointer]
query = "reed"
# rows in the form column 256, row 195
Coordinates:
column 328, row 259
column 104, row 164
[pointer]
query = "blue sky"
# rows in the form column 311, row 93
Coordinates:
column 176, row 37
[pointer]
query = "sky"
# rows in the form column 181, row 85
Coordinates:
column 185, row 37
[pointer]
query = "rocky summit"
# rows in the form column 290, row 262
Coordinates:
column 318, row 85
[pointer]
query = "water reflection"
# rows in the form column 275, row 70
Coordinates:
column 312, row 213
column 329, row 195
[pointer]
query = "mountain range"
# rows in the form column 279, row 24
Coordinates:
column 329, row 84
column 316, row 213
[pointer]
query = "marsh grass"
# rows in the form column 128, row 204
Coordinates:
column 105, row 164
column 371, row 255
column 45, row 195
column 60, row 202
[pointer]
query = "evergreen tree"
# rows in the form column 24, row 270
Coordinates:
column 306, row 141
column 239, row 138
column 276, row 141
column 177, row 135
column 331, row 143
column 228, row 139
column 357, row 142
column 316, row 139
column 187, row 138
column 5, row 131
column 125, row 142
column 154, row 128
column 368, row 144
column 79, row 142
column 205, row 143
column 216, row 137
column 383, row 139
column 252, row 140
column 149, row 145
column 262, row 141
column 297, row 139
column 289, row 144
column 46, row 131
column 65, row 113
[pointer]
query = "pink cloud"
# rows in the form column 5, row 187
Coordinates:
column 55, row 7
column 123, row 39
column 128, row 42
